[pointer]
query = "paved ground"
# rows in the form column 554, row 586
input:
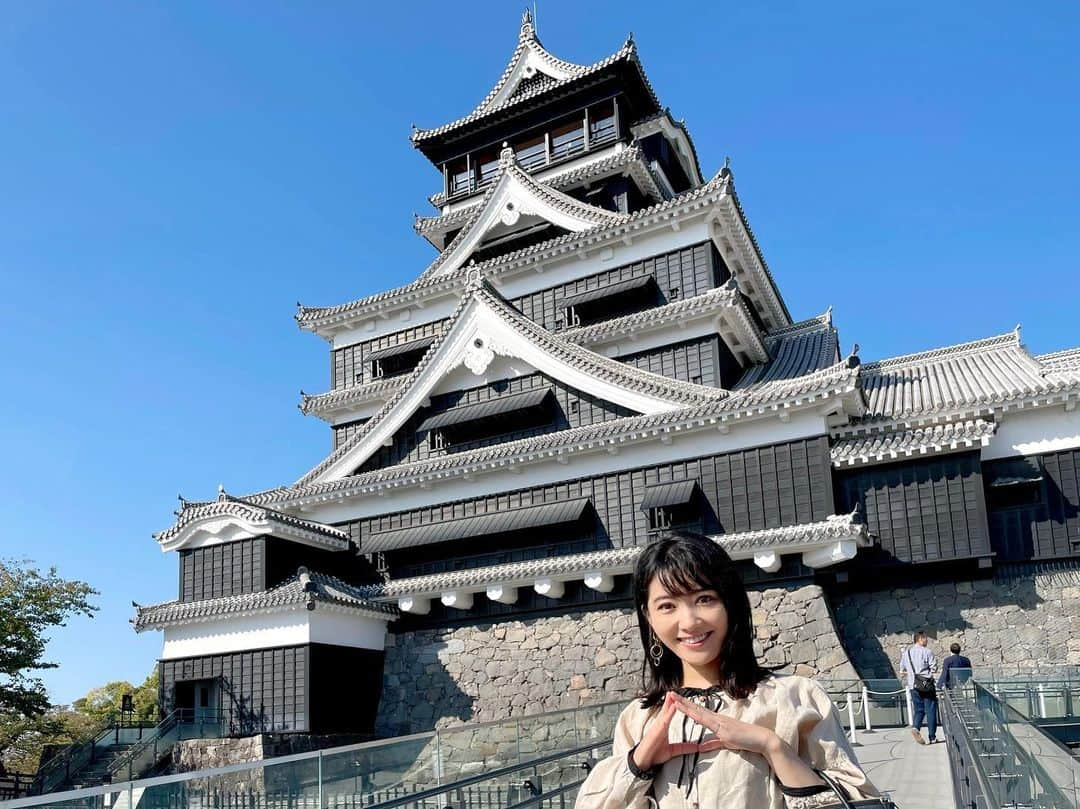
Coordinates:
column 917, row 776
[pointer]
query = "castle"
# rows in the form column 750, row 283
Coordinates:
column 597, row 353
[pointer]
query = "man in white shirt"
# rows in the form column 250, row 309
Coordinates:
column 918, row 659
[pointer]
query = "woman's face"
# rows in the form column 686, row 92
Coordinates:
column 692, row 625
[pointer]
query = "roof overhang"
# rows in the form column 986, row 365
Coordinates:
column 828, row 542
column 215, row 526
column 865, row 447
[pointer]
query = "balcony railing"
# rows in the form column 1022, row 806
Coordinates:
column 550, row 152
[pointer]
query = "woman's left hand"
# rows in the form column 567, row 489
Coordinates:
column 731, row 733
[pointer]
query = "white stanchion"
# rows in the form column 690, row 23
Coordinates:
column 866, row 708
column 910, row 708
column 851, row 718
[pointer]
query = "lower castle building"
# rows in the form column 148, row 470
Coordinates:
column 599, row 353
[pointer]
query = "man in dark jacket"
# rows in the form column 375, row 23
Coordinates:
column 954, row 661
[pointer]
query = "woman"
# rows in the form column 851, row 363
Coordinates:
column 714, row 729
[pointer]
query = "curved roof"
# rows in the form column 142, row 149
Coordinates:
column 533, row 71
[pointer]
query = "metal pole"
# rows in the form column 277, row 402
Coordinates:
column 851, row 717
column 866, row 707
column 319, row 758
column 910, row 708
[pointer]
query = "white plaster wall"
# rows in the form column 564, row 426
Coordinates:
column 1031, row 432
column 266, row 631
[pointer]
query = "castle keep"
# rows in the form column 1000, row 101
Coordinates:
column 598, row 352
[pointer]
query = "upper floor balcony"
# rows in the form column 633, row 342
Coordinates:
column 593, row 128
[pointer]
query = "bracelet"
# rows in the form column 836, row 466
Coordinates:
column 636, row 771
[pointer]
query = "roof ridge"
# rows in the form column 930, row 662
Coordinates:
column 755, row 400
column 580, row 335
column 958, row 349
column 824, row 320
column 309, row 314
column 509, row 167
column 527, row 40
column 569, row 175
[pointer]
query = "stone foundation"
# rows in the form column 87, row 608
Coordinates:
column 436, row 678
column 1026, row 619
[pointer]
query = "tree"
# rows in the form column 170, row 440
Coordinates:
column 105, row 701
column 31, row 603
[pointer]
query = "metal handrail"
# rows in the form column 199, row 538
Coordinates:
column 64, row 757
column 490, row 775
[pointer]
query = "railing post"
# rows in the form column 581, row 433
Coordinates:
column 866, row 707
column 320, row 780
column 910, row 707
column 851, row 717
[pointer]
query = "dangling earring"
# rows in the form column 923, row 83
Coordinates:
column 656, row 649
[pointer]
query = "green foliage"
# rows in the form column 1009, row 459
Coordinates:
column 104, row 701
column 31, row 603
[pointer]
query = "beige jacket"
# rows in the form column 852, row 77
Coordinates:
column 795, row 708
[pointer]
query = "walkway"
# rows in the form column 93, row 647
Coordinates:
column 917, row 776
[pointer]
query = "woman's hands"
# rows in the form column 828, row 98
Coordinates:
column 728, row 733
column 731, row 734
column 655, row 748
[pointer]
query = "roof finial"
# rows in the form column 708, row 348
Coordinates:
column 853, row 360
column 221, row 491
column 474, row 279
column 828, row 315
column 527, row 27
column 506, row 156
column 1016, row 331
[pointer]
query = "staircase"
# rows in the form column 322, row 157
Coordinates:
column 98, row 771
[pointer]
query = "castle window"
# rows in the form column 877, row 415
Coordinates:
column 602, row 127
column 497, row 416
column 398, row 359
column 677, row 503
column 1014, row 483
column 568, row 139
column 611, row 300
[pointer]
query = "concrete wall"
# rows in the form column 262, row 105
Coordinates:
column 435, row 678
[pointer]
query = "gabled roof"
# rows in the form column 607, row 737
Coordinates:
column 514, row 194
column 717, row 197
column 723, row 410
column 968, row 377
column 523, row 78
column 629, row 160
column 482, row 326
column 229, row 518
column 725, row 303
column 306, row 589
column 795, row 350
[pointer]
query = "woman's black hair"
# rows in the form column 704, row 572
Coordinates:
column 686, row 562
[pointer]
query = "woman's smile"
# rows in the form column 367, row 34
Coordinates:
column 692, row 626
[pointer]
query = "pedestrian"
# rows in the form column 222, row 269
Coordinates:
column 919, row 664
column 712, row 728
column 956, row 664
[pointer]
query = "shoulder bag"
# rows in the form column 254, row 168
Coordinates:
column 924, row 686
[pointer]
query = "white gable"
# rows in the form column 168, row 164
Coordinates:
column 514, row 196
column 478, row 335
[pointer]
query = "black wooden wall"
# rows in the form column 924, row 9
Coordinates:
column 921, row 511
column 575, row 409
column 763, row 487
column 229, row 569
column 261, row 691
column 679, row 274
column 1049, row 528
column 704, row 361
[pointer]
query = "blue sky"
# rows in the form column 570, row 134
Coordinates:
column 176, row 176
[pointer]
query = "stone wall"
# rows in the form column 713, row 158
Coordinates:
column 436, row 678
column 1022, row 618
